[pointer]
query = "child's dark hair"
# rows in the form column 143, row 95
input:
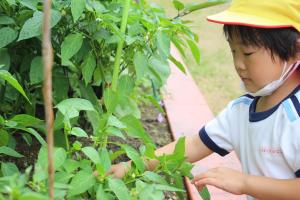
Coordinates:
column 280, row 41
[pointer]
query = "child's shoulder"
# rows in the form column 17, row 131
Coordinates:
column 245, row 100
column 291, row 106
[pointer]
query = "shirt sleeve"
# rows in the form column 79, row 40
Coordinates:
column 216, row 135
column 293, row 148
column 290, row 146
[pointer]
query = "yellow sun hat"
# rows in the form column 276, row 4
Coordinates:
column 261, row 14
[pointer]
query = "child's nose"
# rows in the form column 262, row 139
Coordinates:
column 239, row 64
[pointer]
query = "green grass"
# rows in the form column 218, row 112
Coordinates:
column 215, row 76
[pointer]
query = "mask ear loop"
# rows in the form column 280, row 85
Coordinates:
column 291, row 70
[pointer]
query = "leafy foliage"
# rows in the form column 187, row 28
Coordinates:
column 86, row 38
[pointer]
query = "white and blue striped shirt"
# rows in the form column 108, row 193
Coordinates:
column 267, row 143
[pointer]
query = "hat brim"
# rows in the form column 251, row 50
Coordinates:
column 233, row 18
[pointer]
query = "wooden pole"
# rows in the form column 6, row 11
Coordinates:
column 47, row 91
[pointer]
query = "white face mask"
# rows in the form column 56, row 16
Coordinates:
column 271, row 87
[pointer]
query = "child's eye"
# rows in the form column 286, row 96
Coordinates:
column 248, row 54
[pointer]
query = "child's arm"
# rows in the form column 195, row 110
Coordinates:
column 194, row 150
column 262, row 188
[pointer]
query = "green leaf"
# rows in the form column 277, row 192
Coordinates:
column 88, row 67
column 36, row 74
column 154, row 177
column 78, row 132
column 13, row 82
column 179, row 150
column 24, row 120
column 141, row 64
column 87, row 92
column 128, row 106
column 33, row 196
column 114, row 121
column 167, row 188
column 178, row 5
column 70, row 107
column 179, row 45
column 148, row 191
column 33, row 26
column 163, row 44
column 62, row 177
column 115, row 131
column 94, row 118
column 92, row 154
column 155, row 103
column 32, row 4
column 4, row 137
column 11, row 2
column 71, row 165
column 97, row 6
column 102, row 195
column 61, row 84
column 8, row 35
column 70, row 46
column 77, row 8
column 195, row 50
column 81, row 182
column 36, row 135
column 205, row 195
column 59, row 156
column 135, row 157
column 119, row 188
column 179, row 65
column 4, row 59
column 160, row 69
column 126, row 85
column 9, row 169
column 10, row 152
column 135, row 128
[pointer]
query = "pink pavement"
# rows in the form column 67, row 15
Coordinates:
column 187, row 111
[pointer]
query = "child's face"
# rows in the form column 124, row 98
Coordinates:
column 255, row 65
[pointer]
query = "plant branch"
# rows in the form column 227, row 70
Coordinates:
column 120, row 45
column 47, row 91
column 195, row 7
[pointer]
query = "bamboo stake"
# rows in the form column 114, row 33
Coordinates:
column 47, row 91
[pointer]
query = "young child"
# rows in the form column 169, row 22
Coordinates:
column 263, row 126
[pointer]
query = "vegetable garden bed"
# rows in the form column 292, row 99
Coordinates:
column 108, row 57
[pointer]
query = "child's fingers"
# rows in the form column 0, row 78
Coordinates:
column 208, row 174
column 206, row 181
column 109, row 172
column 199, row 187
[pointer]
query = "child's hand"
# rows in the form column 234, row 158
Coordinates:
column 224, row 178
column 119, row 170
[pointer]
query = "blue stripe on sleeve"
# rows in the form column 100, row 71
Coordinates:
column 289, row 111
column 296, row 104
column 244, row 100
column 211, row 144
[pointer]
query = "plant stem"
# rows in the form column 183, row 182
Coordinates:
column 199, row 6
column 120, row 44
column 47, row 91
column 67, row 140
